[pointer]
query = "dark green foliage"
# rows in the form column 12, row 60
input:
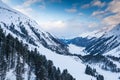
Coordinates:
column 11, row 53
column 98, row 59
column 22, row 28
column 24, row 33
column 100, row 77
column 90, row 71
column 93, row 73
column 114, row 58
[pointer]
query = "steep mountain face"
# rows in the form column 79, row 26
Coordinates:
column 27, row 29
column 106, row 42
column 19, row 63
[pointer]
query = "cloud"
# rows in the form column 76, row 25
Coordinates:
column 28, row 3
column 80, row 14
column 6, row 1
column 114, row 19
column 68, row 28
column 53, row 24
column 85, row 6
column 71, row 10
column 42, row 6
column 94, row 3
column 24, row 10
column 60, row 28
column 92, row 24
column 110, row 17
column 114, row 6
column 97, row 13
column 25, row 7
column 59, row 1
column 98, row 3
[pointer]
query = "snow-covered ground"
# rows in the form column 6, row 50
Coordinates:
column 76, row 50
column 75, row 68
column 107, row 74
column 11, row 75
column 115, row 52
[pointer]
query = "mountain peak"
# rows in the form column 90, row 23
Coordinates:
column 116, row 28
column 115, row 31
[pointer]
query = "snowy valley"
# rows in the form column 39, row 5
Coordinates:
column 27, row 52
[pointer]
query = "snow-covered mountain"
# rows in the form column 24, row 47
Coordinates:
column 105, row 42
column 28, row 30
column 101, row 51
column 98, row 42
column 24, row 66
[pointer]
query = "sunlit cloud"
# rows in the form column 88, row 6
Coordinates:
column 80, row 14
column 28, row 3
column 98, row 3
column 97, row 13
column 6, row 1
column 92, row 24
column 24, row 10
column 53, row 24
column 94, row 3
column 114, row 19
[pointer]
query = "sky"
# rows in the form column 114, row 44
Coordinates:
column 70, row 18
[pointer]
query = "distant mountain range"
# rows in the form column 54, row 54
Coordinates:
column 102, row 44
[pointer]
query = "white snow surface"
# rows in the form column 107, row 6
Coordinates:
column 115, row 52
column 76, row 50
column 115, row 31
column 96, row 33
column 75, row 68
column 107, row 74
column 11, row 75
column 9, row 16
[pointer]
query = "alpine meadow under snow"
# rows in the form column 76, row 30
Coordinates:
column 27, row 52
